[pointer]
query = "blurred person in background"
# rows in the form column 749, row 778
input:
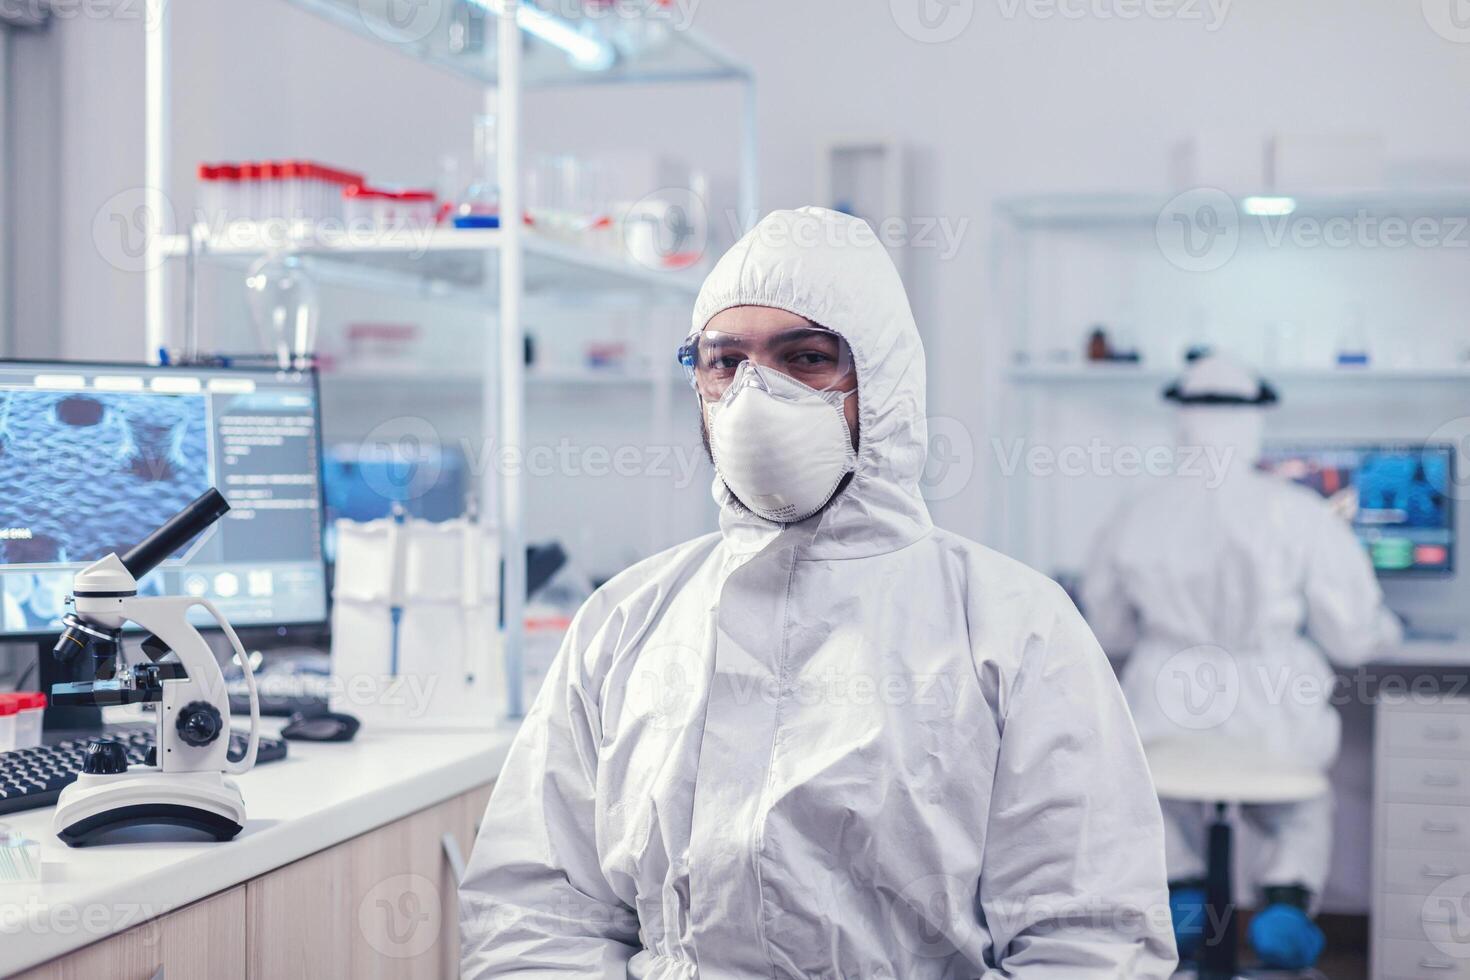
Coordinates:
column 1264, row 570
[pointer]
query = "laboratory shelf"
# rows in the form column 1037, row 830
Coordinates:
column 503, row 47
column 460, row 39
column 600, row 377
column 1084, row 210
column 459, row 378
column 1068, row 373
column 440, row 261
column 1062, row 374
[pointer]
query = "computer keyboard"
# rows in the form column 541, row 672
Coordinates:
column 35, row 777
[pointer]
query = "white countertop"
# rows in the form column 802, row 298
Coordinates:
column 319, row 795
column 1447, row 652
column 1450, row 651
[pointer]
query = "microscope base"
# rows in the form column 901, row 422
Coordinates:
column 94, row 806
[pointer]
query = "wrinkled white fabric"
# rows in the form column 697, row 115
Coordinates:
column 1235, row 597
column 854, row 746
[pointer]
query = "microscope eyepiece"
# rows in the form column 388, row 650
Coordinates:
column 176, row 532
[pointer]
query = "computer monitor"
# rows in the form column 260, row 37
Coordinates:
column 1397, row 497
column 94, row 456
column 363, row 482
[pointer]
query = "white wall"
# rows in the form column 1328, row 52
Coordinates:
column 1018, row 102
column 1023, row 103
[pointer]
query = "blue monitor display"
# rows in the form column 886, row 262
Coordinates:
column 1397, row 497
column 93, row 457
column 364, row 482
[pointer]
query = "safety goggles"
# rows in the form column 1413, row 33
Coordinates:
column 816, row 357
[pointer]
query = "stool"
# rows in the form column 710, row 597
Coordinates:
column 1212, row 769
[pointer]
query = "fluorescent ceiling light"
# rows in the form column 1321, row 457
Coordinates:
column 1268, row 207
column 65, row 382
column 587, row 52
column 174, row 385
column 117, row 382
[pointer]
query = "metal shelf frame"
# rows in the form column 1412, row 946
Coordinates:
column 503, row 390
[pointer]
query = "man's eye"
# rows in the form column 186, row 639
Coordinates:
column 812, row 358
column 727, row 362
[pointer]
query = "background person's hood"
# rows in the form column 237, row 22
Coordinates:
column 832, row 269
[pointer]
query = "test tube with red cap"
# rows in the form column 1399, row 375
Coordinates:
column 209, row 205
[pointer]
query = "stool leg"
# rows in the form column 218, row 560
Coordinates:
column 1219, row 956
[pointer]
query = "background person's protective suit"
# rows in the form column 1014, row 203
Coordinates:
column 1233, row 589
column 852, row 746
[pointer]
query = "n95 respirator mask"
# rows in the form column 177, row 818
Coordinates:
column 780, row 446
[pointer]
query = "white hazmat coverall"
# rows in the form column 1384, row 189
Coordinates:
column 1229, row 585
column 854, row 746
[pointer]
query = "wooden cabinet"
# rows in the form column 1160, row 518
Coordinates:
column 206, row 939
column 381, row 906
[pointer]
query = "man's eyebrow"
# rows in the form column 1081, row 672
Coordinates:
column 800, row 333
column 785, row 336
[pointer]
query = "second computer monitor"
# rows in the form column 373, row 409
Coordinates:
column 1398, row 498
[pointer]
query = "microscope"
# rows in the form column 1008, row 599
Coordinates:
column 184, row 783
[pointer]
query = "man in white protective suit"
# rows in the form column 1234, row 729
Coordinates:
column 829, row 740
column 1245, row 582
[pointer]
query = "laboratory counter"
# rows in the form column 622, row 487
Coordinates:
column 386, row 815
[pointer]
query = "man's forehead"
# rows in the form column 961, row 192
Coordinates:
column 756, row 321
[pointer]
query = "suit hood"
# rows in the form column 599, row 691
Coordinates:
column 831, row 269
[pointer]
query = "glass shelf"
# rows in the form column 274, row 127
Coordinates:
column 447, row 263
column 535, row 376
column 458, row 36
column 1082, row 210
column 1063, row 374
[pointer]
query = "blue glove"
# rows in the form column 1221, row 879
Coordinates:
column 1285, row 938
column 1187, row 907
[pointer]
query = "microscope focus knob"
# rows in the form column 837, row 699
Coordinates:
column 105, row 757
column 199, row 723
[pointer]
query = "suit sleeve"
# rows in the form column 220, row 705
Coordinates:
column 534, row 899
column 1346, row 614
column 1073, row 885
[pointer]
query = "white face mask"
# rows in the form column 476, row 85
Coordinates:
column 780, row 446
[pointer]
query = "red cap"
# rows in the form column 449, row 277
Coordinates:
column 9, row 705
column 228, row 171
column 366, row 192
column 270, row 170
column 249, row 171
column 344, row 177
column 31, row 699
column 208, row 172
column 415, row 196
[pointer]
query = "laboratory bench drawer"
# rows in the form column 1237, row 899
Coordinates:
column 1415, row 872
column 1426, row 827
column 1427, row 781
column 1403, row 959
column 1419, row 732
column 1437, row 919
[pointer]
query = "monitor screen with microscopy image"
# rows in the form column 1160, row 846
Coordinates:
column 93, row 457
column 1398, row 498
